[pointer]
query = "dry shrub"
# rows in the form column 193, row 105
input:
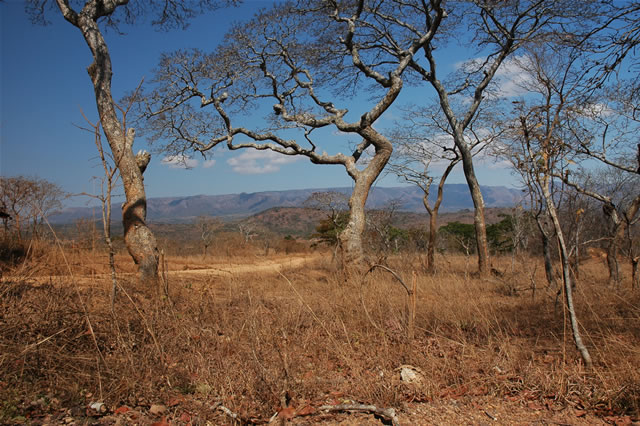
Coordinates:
column 290, row 245
column 263, row 341
column 11, row 252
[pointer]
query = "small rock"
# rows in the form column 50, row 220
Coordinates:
column 157, row 409
column 98, row 407
column 410, row 374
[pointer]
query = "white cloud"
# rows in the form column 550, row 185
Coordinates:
column 208, row 163
column 252, row 162
column 511, row 78
column 597, row 110
column 180, row 161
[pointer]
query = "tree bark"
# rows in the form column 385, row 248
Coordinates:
column 433, row 224
column 433, row 216
column 546, row 253
column 351, row 237
column 612, row 259
column 479, row 223
column 352, row 252
column 618, row 229
column 16, row 221
column 139, row 239
column 566, row 276
column 617, row 233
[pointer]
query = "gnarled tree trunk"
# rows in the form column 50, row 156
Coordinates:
column 139, row 239
column 351, row 245
column 350, row 238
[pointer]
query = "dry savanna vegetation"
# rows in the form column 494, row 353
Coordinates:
column 359, row 319
column 252, row 336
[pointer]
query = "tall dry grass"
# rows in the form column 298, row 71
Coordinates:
column 260, row 342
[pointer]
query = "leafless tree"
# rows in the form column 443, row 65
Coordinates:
column 605, row 119
column 45, row 198
column 620, row 211
column 15, row 193
column 335, row 204
column 332, row 202
column 420, row 145
column 608, row 136
column 108, row 182
column 500, row 29
column 29, row 200
column 207, row 227
column 598, row 125
column 90, row 18
column 581, row 78
column 540, row 155
column 248, row 230
column 296, row 63
column 380, row 223
column 536, row 203
column 539, row 142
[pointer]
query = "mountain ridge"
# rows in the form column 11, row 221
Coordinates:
column 182, row 209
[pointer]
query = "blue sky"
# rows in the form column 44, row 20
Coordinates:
column 44, row 87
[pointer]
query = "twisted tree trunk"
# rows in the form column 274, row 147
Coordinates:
column 350, row 239
column 139, row 239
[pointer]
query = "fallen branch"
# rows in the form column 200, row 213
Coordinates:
column 411, row 293
column 34, row 345
column 491, row 416
column 386, row 413
column 235, row 416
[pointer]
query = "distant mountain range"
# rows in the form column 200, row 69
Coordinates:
column 235, row 206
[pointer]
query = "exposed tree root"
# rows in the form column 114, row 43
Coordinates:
column 386, row 413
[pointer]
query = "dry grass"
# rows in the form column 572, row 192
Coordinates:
column 260, row 342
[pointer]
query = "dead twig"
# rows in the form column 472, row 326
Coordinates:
column 411, row 293
column 386, row 413
column 34, row 345
column 491, row 416
column 391, row 271
column 235, row 416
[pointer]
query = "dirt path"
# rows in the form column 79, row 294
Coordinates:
column 251, row 266
column 267, row 265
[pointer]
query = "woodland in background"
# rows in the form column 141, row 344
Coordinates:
column 511, row 232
